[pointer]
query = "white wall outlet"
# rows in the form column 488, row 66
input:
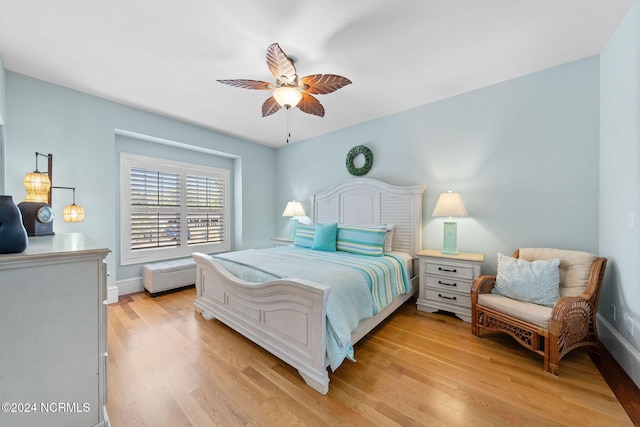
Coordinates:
column 631, row 220
column 612, row 312
column 628, row 323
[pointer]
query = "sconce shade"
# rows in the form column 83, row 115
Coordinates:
column 37, row 196
column 287, row 96
column 293, row 208
column 73, row 213
column 37, row 185
column 449, row 204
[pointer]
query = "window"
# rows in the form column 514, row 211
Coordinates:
column 171, row 209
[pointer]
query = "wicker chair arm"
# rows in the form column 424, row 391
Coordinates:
column 586, row 303
column 564, row 304
column 483, row 284
column 582, row 303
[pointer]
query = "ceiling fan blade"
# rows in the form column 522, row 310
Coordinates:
column 323, row 83
column 270, row 106
column 310, row 105
column 248, row 84
column 281, row 66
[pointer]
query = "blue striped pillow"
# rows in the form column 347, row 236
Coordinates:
column 304, row 235
column 361, row 240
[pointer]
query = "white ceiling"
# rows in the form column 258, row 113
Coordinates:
column 164, row 56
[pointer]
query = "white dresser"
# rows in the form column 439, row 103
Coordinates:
column 445, row 281
column 53, row 333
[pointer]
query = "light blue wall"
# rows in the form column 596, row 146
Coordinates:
column 523, row 154
column 620, row 177
column 2, row 118
column 2, row 92
column 79, row 130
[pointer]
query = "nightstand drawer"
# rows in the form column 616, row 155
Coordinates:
column 463, row 272
column 449, row 297
column 449, row 284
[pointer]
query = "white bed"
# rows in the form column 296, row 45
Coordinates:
column 288, row 317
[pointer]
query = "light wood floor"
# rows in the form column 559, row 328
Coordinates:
column 170, row 367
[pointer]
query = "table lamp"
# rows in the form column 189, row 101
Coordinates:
column 293, row 209
column 450, row 204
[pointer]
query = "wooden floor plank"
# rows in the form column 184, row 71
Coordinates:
column 169, row 366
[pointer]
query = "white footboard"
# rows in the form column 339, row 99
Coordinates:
column 285, row 317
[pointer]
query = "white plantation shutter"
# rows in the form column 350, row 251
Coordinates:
column 171, row 209
column 155, row 208
column 205, row 209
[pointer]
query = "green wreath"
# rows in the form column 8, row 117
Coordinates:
column 368, row 160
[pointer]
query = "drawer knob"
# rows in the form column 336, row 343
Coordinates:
column 448, row 270
column 440, row 282
column 445, row 297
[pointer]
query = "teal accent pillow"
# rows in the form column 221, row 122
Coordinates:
column 325, row 237
column 304, row 235
column 537, row 282
column 363, row 240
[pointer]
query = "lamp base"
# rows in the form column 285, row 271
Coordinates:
column 450, row 243
column 293, row 226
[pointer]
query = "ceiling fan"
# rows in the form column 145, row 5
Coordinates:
column 289, row 90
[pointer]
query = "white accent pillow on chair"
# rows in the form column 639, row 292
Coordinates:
column 537, row 282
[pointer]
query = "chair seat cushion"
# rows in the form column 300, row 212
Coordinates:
column 526, row 311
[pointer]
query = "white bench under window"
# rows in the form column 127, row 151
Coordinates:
column 167, row 275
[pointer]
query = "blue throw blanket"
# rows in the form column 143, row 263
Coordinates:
column 360, row 285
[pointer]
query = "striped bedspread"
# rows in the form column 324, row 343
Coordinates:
column 360, row 285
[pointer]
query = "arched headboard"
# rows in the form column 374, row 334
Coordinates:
column 366, row 201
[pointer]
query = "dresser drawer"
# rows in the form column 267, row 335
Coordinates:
column 456, row 271
column 449, row 284
column 453, row 298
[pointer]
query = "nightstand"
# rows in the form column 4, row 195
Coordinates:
column 445, row 281
column 281, row 241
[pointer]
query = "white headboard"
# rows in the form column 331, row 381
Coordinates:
column 366, row 201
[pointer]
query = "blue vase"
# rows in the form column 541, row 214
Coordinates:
column 13, row 235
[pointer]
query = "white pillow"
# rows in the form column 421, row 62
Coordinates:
column 537, row 282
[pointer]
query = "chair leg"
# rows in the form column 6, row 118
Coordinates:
column 551, row 357
column 475, row 328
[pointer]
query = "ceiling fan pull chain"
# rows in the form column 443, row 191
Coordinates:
column 288, row 124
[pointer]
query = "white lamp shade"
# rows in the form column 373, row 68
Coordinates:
column 293, row 208
column 449, row 204
column 287, row 96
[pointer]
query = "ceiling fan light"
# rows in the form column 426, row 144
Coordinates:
column 287, row 96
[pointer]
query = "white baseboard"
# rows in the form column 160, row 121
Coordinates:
column 130, row 286
column 626, row 355
column 112, row 294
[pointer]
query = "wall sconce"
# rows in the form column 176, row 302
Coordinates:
column 72, row 212
column 37, row 215
column 38, row 184
column 450, row 204
column 293, row 209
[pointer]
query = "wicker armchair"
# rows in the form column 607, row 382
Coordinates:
column 551, row 332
